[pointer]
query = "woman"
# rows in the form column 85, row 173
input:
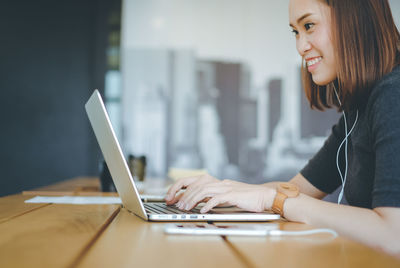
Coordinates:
column 351, row 55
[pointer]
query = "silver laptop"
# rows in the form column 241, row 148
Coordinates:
column 126, row 186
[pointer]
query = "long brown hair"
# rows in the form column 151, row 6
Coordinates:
column 367, row 44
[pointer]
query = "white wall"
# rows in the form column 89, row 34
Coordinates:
column 395, row 5
column 255, row 32
column 252, row 31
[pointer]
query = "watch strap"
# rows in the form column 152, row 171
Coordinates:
column 277, row 206
column 283, row 191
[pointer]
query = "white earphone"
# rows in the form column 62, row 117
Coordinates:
column 345, row 140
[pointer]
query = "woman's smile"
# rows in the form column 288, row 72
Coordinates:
column 313, row 63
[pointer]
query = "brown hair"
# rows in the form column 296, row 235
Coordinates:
column 367, row 44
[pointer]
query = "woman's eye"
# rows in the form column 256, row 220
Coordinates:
column 295, row 32
column 308, row 26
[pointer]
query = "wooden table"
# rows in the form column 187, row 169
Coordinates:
column 51, row 235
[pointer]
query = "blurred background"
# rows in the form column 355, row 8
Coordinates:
column 211, row 84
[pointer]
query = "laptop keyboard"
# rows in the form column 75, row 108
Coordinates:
column 162, row 208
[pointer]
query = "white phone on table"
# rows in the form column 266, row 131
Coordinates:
column 220, row 229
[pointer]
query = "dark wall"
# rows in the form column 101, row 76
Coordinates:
column 51, row 58
column 314, row 122
column 228, row 81
column 275, row 103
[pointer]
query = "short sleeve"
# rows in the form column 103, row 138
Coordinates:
column 321, row 170
column 384, row 116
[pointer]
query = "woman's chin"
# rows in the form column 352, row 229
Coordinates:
column 321, row 81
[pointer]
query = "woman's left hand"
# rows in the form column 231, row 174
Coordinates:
column 249, row 197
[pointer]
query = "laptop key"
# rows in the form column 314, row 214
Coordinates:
column 152, row 210
column 158, row 210
column 169, row 209
column 162, row 209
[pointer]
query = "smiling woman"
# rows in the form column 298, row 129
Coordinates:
column 355, row 41
column 312, row 29
column 351, row 56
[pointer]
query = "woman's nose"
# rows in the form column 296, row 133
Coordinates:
column 303, row 45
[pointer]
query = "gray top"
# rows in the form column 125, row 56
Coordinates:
column 373, row 178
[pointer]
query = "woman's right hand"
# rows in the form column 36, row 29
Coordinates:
column 214, row 192
column 189, row 183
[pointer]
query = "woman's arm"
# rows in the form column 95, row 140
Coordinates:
column 378, row 228
column 304, row 185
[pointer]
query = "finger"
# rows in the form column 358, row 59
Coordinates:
column 180, row 184
column 184, row 197
column 190, row 190
column 213, row 202
column 206, row 192
column 174, row 200
column 196, row 193
column 196, row 182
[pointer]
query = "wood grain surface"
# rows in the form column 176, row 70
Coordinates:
column 52, row 236
column 13, row 206
column 132, row 242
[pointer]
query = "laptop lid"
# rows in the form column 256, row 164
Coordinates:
column 125, row 184
column 113, row 155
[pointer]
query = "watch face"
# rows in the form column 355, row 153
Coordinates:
column 288, row 189
column 277, row 210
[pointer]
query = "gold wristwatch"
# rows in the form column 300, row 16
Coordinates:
column 283, row 191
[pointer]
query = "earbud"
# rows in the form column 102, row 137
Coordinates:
column 345, row 140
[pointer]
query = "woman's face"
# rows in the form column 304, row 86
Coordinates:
column 311, row 24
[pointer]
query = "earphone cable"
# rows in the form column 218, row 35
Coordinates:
column 345, row 140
